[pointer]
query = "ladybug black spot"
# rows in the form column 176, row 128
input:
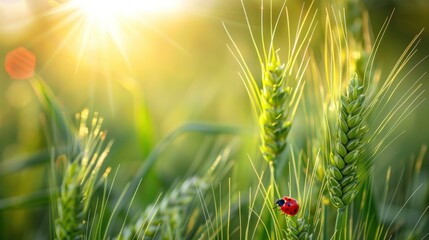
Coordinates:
column 280, row 202
column 288, row 204
column 295, row 210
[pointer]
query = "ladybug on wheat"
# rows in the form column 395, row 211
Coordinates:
column 288, row 205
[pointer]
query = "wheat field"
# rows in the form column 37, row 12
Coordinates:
column 186, row 119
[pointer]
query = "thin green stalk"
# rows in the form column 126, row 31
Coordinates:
column 339, row 223
column 272, row 189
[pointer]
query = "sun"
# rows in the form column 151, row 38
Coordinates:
column 103, row 27
column 112, row 15
column 100, row 10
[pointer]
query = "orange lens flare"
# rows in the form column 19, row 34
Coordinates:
column 20, row 63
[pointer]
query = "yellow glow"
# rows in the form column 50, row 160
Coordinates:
column 113, row 16
column 105, row 34
column 106, row 9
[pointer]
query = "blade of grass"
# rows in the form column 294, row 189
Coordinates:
column 36, row 199
column 19, row 163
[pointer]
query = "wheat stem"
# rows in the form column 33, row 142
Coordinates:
column 339, row 223
column 271, row 194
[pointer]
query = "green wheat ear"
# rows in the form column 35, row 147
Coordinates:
column 297, row 229
column 80, row 178
column 164, row 219
column 69, row 222
column 342, row 167
column 276, row 101
column 274, row 120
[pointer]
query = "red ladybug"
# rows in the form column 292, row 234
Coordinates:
column 288, row 205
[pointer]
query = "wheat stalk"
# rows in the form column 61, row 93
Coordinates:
column 373, row 107
column 275, row 103
column 276, row 99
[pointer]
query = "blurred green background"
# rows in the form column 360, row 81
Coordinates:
column 152, row 72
